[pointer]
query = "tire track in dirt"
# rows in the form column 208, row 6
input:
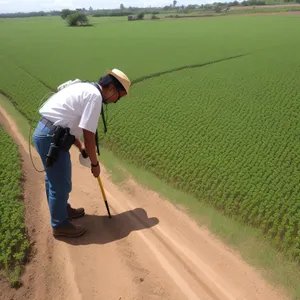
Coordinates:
column 162, row 236
column 176, row 277
column 159, row 233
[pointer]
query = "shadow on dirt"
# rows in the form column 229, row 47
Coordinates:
column 102, row 230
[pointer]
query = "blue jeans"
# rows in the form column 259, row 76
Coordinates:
column 58, row 181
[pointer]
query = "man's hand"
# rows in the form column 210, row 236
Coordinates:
column 95, row 170
column 81, row 148
column 84, row 154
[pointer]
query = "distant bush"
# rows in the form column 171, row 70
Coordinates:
column 77, row 18
column 154, row 17
column 140, row 16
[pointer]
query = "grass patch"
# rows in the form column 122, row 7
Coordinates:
column 22, row 124
column 13, row 241
column 116, row 171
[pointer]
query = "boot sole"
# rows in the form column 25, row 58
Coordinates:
column 70, row 235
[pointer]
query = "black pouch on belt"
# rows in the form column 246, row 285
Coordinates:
column 66, row 141
column 62, row 140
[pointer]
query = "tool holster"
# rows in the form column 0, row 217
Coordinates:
column 62, row 140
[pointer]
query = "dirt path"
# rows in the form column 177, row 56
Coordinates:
column 148, row 250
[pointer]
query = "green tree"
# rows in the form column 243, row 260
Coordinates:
column 140, row 16
column 76, row 19
column 65, row 13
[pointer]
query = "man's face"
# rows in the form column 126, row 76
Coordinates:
column 114, row 95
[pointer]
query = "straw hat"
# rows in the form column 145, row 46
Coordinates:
column 124, row 80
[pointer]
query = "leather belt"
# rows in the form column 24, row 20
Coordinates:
column 47, row 123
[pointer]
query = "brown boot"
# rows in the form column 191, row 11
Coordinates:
column 69, row 230
column 75, row 213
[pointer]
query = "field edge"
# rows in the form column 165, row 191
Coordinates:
column 20, row 244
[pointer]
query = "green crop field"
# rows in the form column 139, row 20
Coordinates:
column 13, row 241
column 214, row 108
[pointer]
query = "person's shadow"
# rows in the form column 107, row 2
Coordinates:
column 103, row 230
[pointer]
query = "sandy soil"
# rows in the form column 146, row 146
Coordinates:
column 149, row 249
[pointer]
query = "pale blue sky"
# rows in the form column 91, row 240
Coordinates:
column 47, row 5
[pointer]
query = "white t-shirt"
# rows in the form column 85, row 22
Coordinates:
column 77, row 106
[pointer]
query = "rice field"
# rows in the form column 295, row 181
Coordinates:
column 213, row 111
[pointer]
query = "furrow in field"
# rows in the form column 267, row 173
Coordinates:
column 143, row 78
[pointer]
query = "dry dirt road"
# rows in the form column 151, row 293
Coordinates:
column 149, row 250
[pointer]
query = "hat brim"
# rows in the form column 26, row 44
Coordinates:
column 120, row 79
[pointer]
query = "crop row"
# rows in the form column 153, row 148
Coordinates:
column 25, row 91
column 13, row 241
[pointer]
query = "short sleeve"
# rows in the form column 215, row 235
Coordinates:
column 91, row 113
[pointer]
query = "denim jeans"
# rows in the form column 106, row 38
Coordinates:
column 58, row 181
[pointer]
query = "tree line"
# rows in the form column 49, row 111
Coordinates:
column 127, row 11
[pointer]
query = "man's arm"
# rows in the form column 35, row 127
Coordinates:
column 90, row 146
column 79, row 145
column 88, row 123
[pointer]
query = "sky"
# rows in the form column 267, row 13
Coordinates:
column 10, row 6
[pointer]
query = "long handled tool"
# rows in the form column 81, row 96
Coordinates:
column 104, row 196
column 85, row 162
